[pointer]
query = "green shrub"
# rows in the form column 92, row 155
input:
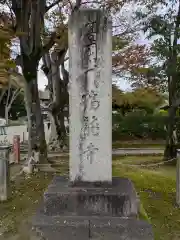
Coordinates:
column 138, row 125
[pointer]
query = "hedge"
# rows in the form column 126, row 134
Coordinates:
column 135, row 126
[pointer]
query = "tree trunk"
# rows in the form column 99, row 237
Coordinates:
column 54, row 144
column 30, row 20
column 7, row 114
column 178, row 128
column 7, row 103
column 58, row 138
column 36, row 137
column 171, row 141
column 53, row 133
column 58, row 98
column 171, row 145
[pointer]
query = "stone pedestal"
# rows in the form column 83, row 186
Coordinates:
column 91, row 199
column 100, row 211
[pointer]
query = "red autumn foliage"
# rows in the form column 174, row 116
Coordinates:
column 131, row 58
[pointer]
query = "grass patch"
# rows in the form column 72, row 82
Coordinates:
column 157, row 193
column 162, row 170
column 169, row 171
column 139, row 144
column 141, row 159
column 26, row 194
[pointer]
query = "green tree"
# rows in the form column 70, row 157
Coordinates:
column 6, row 35
column 162, row 27
column 144, row 99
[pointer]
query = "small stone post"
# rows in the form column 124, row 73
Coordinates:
column 178, row 178
column 16, row 148
column 4, row 172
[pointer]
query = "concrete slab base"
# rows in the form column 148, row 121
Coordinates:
column 98, row 211
column 83, row 199
column 96, row 228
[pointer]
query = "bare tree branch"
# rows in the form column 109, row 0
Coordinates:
column 8, row 105
column 2, row 94
column 77, row 5
column 11, row 14
column 52, row 5
column 8, row 96
column 53, row 61
column 49, row 45
column 14, row 96
column 129, row 30
column 65, row 74
column 66, row 59
column 71, row 5
column 18, row 60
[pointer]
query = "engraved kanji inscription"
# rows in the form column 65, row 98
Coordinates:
column 94, row 125
column 88, row 154
column 89, row 127
column 93, row 97
column 95, row 103
column 97, row 79
column 89, row 42
column 91, row 26
column 85, row 128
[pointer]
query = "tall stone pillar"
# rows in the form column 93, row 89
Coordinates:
column 90, row 61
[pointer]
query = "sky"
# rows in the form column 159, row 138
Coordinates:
column 42, row 82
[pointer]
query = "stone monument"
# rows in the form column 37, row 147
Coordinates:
column 90, row 60
column 91, row 204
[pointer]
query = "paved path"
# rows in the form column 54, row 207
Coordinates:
column 138, row 151
column 122, row 151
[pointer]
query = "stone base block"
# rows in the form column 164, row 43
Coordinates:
column 64, row 228
column 97, row 211
column 120, row 229
column 94, row 228
column 86, row 199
